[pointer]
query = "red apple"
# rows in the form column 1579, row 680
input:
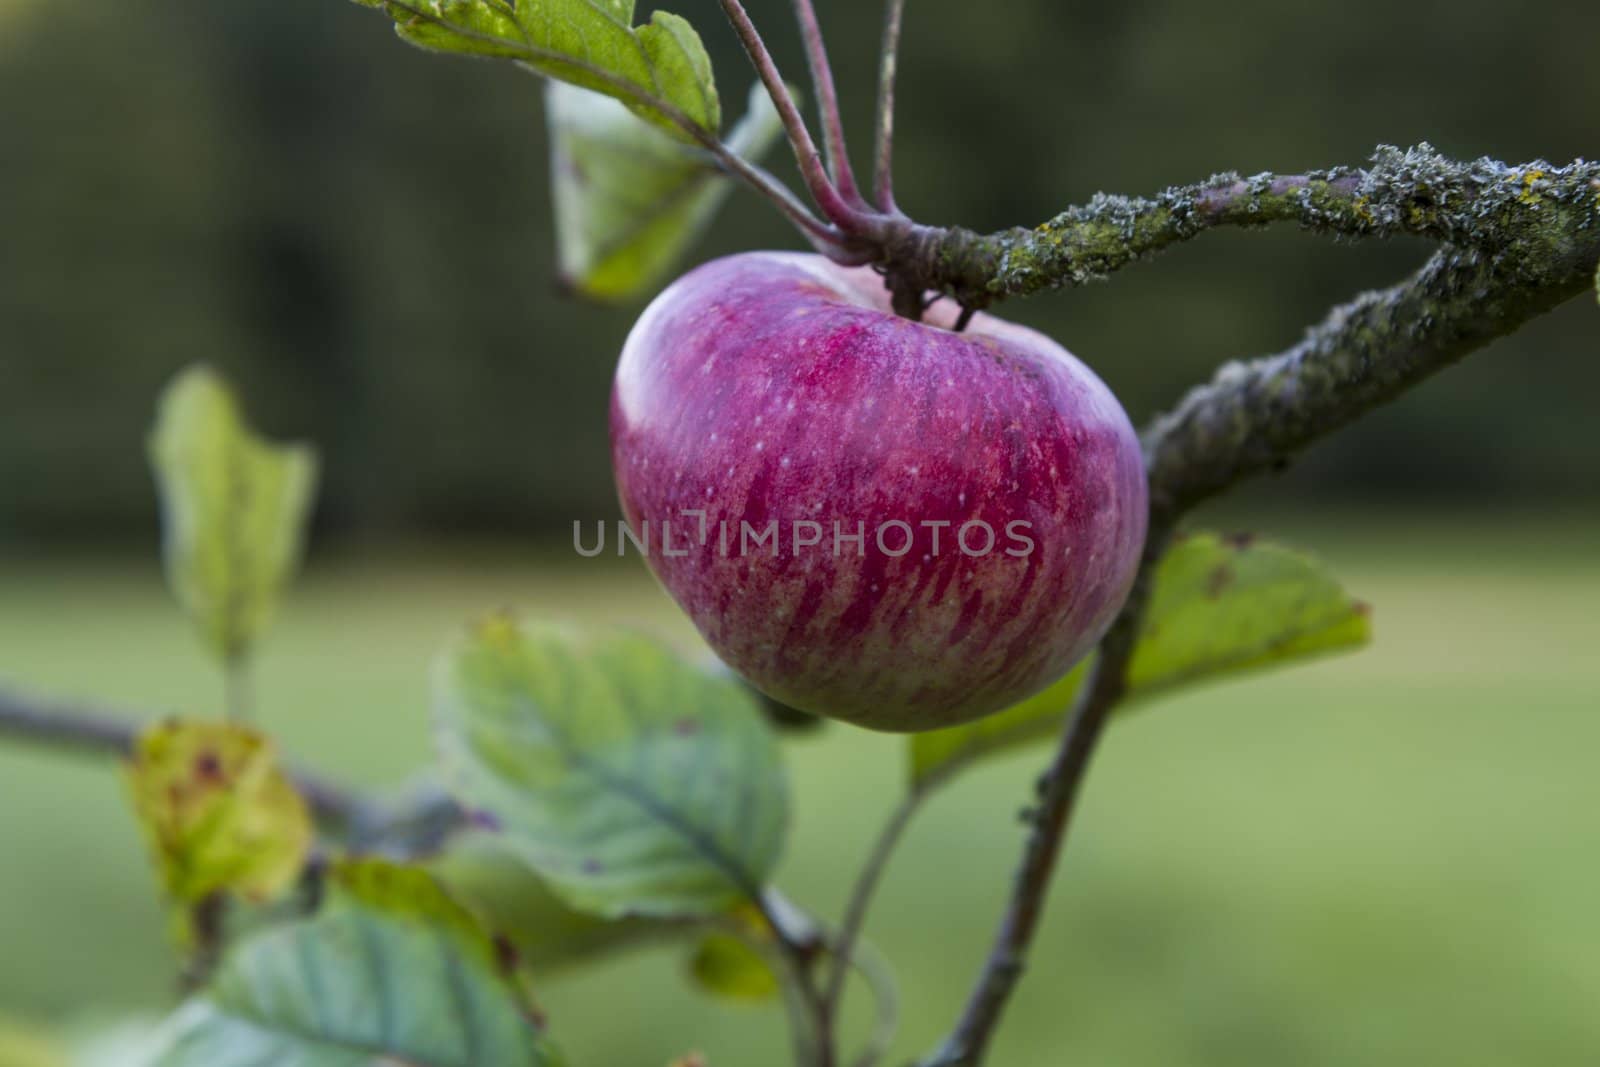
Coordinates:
column 996, row 485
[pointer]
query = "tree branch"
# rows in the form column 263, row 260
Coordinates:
column 1057, row 793
column 1253, row 417
column 100, row 731
column 1522, row 240
column 414, row 824
column 1529, row 209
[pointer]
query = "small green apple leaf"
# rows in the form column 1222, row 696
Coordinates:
column 391, row 971
column 629, row 200
column 633, row 782
column 589, row 43
column 1219, row 606
column 218, row 813
column 729, row 966
column 483, row 872
column 233, row 510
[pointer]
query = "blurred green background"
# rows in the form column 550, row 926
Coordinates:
column 1391, row 858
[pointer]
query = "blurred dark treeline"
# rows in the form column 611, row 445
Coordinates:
column 360, row 233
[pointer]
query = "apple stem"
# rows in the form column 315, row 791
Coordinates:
column 905, row 296
column 965, row 318
column 828, row 103
column 849, row 218
column 883, row 170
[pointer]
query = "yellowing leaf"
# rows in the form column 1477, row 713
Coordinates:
column 1219, row 606
column 629, row 199
column 217, row 811
column 730, row 967
column 391, row 971
column 234, row 510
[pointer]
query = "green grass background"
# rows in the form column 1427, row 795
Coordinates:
column 1391, row 858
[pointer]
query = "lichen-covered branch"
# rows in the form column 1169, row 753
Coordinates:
column 1254, row 416
column 1482, row 204
column 1519, row 241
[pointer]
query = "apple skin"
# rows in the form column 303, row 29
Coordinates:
column 780, row 386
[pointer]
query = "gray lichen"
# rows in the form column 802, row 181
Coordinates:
column 1529, row 211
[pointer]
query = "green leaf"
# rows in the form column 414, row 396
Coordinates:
column 234, row 510
column 728, row 966
column 634, row 783
column 479, row 869
column 392, row 970
column 589, row 43
column 629, row 200
column 679, row 60
column 217, row 811
column 1219, row 606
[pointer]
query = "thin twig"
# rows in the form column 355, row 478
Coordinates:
column 800, row 942
column 828, row 198
column 98, row 731
column 208, row 933
column 833, row 138
column 72, row 728
column 888, row 68
column 1058, row 791
column 855, row 916
column 879, row 976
